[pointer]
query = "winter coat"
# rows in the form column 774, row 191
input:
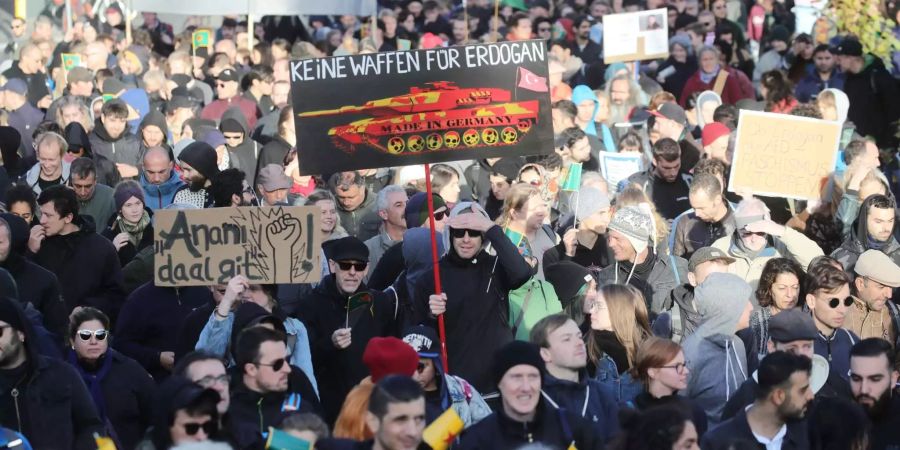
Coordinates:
column 836, row 349
column 159, row 196
column 667, row 273
column 87, row 267
column 363, row 222
column 857, row 241
column 32, row 177
column 645, row 401
column 25, row 119
column 675, row 82
column 737, row 429
column 792, row 244
column 671, row 199
column 125, row 149
column 129, row 251
column 872, row 107
column 273, row 152
column 557, row 428
column 107, row 172
column 730, row 94
column 39, row 287
column 692, row 233
column 100, row 207
column 323, row 312
column 812, row 84
column 589, row 399
column 245, row 155
column 377, row 245
column 679, row 318
column 477, row 316
column 542, row 302
column 128, row 396
column 216, row 109
column 884, row 324
column 151, row 319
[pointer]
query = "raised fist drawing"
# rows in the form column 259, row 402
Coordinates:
column 282, row 236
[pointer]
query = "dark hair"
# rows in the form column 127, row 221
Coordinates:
column 654, row 353
column 837, row 424
column 184, row 363
column 538, row 21
column 873, row 347
column 540, row 332
column 823, row 259
column 82, row 168
column 822, row 48
column 115, row 108
column 515, row 19
column 825, row 277
column 655, row 428
column 550, row 161
column 266, row 53
column 726, row 115
column 87, row 314
column 226, row 184
column 775, row 371
column 305, row 422
column 778, row 86
column 64, row 200
column 248, row 344
column 335, row 181
column 44, row 127
column 21, row 193
column 257, row 73
column 631, row 138
column 393, row 389
column 573, row 135
column 773, row 268
column 667, row 150
column 578, row 20
column 566, row 107
column 854, row 148
column 881, row 202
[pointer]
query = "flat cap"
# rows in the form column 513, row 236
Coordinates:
column 875, row 265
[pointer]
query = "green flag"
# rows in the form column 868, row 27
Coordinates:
column 200, row 38
column 516, row 4
column 279, row 440
column 573, row 178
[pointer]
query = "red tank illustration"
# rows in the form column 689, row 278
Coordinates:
column 441, row 116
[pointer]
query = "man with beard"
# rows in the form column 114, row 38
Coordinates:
column 873, row 314
column 665, row 183
column 873, row 375
column 198, row 167
column 775, row 419
column 824, row 76
column 623, row 101
column 874, row 229
column 229, row 189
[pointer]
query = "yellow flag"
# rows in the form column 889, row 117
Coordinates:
column 441, row 433
column 104, row 443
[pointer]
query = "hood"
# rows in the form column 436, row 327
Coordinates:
column 721, row 300
column 861, row 227
column 235, row 113
column 246, row 315
column 137, row 99
column 705, row 97
column 155, row 118
column 417, row 250
column 76, row 136
column 11, row 306
column 101, row 132
column 457, row 210
column 841, row 103
column 581, row 93
column 19, row 233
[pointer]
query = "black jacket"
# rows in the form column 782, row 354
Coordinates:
column 251, row 413
column 737, row 429
column 596, row 400
column 77, row 137
column 245, row 155
column 128, row 251
column 191, row 327
column 323, row 312
column 885, row 434
column 857, row 242
column 557, row 428
column 125, row 149
column 871, row 107
column 671, row 199
column 477, row 317
column 835, row 387
column 151, row 319
column 87, row 267
column 644, row 401
column 273, row 152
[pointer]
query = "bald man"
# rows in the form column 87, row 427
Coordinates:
column 30, row 68
column 159, row 180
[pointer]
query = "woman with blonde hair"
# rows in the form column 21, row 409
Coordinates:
column 619, row 325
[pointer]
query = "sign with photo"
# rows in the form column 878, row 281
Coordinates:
column 635, row 36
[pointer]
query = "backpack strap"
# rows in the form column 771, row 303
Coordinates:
column 677, row 324
column 675, row 270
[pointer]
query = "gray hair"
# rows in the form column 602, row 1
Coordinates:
column 381, row 201
column 707, row 48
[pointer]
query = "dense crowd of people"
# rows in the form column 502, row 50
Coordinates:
column 658, row 311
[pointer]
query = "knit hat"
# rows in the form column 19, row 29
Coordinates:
column 126, row 190
column 516, row 353
column 713, row 131
column 416, row 212
column 201, row 157
column 590, row 200
column 10, row 310
column 389, row 356
column 213, row 137
column 567, row 278
column 636, row 223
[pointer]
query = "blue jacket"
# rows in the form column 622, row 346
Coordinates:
column 158, row 196
column 810, row 85
column 836, row 349
column 588, row 398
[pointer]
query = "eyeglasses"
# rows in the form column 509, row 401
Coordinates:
column 346, row 265
column 209, row 427
column 679, row 368
column 420, row 368
column 276, row 365
column 458, row 233
column 86, row 335
column 209, row 380
column 439, row 215
column 835, row 302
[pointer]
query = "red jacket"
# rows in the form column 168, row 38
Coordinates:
column 214, row 110
column 731, row 93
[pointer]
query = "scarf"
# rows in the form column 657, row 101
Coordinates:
column 707, row 78
column 94, row 380
column 135, row 231
column 874, row 244
column 642, row 270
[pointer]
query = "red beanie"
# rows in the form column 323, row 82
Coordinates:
column 389, row 356
column 713, row 131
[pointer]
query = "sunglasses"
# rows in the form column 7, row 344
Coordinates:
column 458, row 233
column 209, row 380
column 835, row 302
column 679, row 368
column 276, row 365
column 440, row 215
column 86, row 335
column 420, row 368
column 346, row 265
column 209, row 427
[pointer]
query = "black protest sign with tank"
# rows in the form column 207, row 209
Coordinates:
column 422, row 106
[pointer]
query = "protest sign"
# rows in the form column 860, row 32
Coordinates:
column 209, row 246
column 778, row 155
column 617, row 167
column 423, row 106
column 635, row 36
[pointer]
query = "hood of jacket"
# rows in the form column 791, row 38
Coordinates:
column 168, row 188
column 31, row 343
column 860, row 241
column 460, row 208
column 101, row 132
column 235, row 113
column 841, row 103
column 76, row 136
column 156, row 118
column 720, row 300
column 18, row 242
column 581, row 93
column 416, row 248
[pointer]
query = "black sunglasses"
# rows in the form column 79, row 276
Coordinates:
column 440, row 215
column 458, row 233
column 834, row 302
column 86, row 335
column 276, row 365
column 209, row 427
column 346, row 265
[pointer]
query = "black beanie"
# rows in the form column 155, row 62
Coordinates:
column 230, row 125
column 514, row 354
column 202, row 157
column 567, row 279
column 18, row 232
column 11, row 311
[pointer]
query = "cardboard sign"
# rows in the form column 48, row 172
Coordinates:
column 778, row 155
column 423, row 106
column 617, row 167
column 209, row 246
column 635, row 36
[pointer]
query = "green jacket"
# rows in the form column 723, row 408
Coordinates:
column 542, row 302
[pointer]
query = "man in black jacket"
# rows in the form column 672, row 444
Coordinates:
column 871, row 91
column 51, row 405
column 873, row 375
column 524, row 416
column 267, row 388
column 341, row 315
column 775, row 418
column 666, row 184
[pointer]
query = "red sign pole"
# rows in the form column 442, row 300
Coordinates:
column 442, row 332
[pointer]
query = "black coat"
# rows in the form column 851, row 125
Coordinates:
column 128, row 251
column 884, row 434
column 644, row 401
column 87, row 267
column 191, row 327
column 39, row 287
column 597, row 400
column 872, row 106
column 737, row 429
column 477, row 317
column 338, row 371
column 151, row 319
column 835, row 387
column 556, row 428
column 273, row 152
